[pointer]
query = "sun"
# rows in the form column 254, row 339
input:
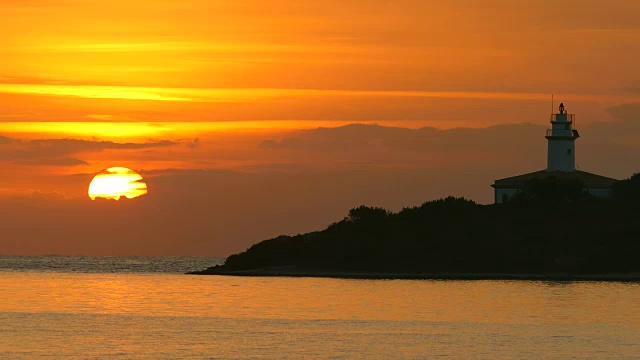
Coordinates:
column 115, row 182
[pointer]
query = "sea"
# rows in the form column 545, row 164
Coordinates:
column 55, row 307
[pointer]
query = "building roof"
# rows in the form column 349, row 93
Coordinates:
column 591, row 181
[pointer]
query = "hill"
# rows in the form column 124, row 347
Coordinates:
column 550, row 228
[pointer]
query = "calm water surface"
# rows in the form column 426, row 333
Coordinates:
column 132, row 308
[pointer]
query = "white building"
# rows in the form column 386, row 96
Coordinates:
column 561, row 162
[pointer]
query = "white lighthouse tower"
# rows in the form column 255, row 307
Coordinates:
column 561, row 163
column 561, row 153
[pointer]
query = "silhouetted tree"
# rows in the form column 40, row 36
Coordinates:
column 626, row 193
column 367, row 214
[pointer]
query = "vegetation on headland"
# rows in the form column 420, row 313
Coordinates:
column 550, row 227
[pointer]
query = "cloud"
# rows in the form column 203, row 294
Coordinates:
column 633, row 87
column 264, row 94
column 36, row 3
column 356, row 137
column 35, row 148
column 51, row 162
column 114, row 118
column 194, row 144
column 5, row 140
column 71, row 146
column 47, row 196
column 629, row 113
column 56, row 152
column 501, row 150
column 33, row 80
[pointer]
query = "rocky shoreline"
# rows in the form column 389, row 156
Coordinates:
column 294, row 272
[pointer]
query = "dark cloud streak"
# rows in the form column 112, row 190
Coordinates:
column 56, row 152
column 52, row 162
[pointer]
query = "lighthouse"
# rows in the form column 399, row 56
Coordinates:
column 561, row 138
column 561, row 163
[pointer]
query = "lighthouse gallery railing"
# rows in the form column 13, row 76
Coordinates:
column 570, row 117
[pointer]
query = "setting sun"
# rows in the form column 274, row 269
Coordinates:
column 115, row 182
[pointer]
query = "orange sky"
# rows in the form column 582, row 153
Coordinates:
column 176, row 88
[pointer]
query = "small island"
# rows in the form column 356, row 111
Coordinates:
column 553, row 229
column 558, row 224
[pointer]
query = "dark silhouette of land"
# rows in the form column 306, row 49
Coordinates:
column 553, row 229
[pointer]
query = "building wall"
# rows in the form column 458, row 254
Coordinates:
column 603, row 193
column 505, row 194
